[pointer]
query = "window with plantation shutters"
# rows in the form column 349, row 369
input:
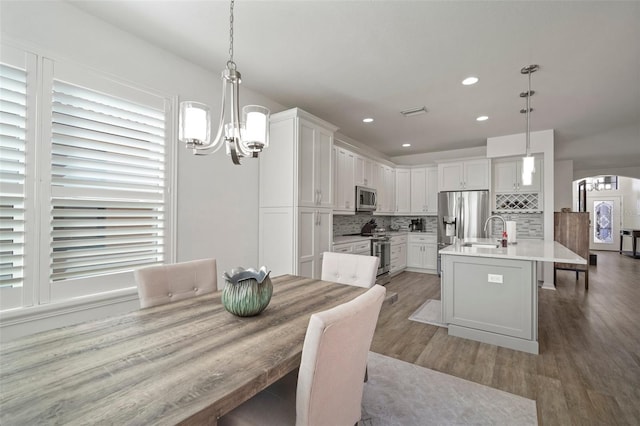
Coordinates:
column 108, row 180
column 13, row 122
column 84, row 185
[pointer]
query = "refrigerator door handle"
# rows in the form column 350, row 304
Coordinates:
column 459, row 232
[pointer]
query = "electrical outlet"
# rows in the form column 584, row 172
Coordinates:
column 493, row 278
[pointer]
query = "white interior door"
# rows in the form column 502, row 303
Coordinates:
column 604, row 212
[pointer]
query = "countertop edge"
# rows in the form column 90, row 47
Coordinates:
column 540, row 251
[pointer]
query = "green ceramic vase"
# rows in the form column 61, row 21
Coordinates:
column 247, row 292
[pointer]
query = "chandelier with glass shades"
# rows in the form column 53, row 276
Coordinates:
column 528, row 162
column 242, row 136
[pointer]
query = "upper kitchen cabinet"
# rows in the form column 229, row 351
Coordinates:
column 464, row 175
column 403, row 191
column 424, row 191
column 385, row 184
column 296, row 169
column 507, row 176
column 345, row 185
column 363, row 171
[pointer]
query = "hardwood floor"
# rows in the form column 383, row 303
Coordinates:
column 588, row 369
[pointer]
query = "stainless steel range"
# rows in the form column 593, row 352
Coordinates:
column 381, row 248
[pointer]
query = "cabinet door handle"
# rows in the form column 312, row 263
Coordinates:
column 319, row 196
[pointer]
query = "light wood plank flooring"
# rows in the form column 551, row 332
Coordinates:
column 588, row 369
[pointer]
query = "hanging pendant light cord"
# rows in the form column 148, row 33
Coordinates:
column 528, row 113
column 230, row 63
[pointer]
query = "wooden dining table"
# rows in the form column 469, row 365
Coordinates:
column 187, row 362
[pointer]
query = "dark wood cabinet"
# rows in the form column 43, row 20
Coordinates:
column 571, row 229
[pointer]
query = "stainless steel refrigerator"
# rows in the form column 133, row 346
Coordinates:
column 461, row 214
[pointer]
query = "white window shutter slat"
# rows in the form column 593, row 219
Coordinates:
column 107, row 184
column 13, row 113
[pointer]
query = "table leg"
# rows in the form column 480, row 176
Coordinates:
column 621, row 238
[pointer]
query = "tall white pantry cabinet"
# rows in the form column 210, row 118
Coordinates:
column 296, row 194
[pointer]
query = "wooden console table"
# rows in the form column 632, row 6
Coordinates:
column 634, row 234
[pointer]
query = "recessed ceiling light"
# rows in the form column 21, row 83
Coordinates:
column 469, row 81
column 367, row 120
column 482, row 118
column 406, row 145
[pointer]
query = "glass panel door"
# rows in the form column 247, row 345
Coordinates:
column 605, row 222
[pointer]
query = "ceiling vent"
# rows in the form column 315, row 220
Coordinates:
column 414, row 111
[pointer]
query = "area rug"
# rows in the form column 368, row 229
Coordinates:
column 429, row 313
column 404, row 394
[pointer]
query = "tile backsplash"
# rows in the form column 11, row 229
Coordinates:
column 344, row 225
column 403, row 222
column 528, row 225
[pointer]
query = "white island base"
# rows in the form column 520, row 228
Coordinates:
column 491, row 294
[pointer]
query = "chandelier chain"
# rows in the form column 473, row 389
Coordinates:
column 230, row 61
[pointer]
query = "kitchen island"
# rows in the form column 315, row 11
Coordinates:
column 490, row 293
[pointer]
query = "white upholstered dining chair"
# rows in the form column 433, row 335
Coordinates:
column 329, row 385
column 161, row 284
column 352, row 269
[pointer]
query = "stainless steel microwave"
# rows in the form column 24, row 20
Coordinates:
column 366, row 199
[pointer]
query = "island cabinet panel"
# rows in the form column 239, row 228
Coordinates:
column 491, row 295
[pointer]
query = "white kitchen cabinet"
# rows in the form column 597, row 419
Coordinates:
column 403, row 191
column 464, row 175
column 296, row 170
column 363, row 171
column 424, row 191
column 315, row 233
column 398, row 254
column 296, row 194
column 507, row 176
column 345, row 181
column 384, row 179
column 359, row 247
column 389, row 189
column 314, row 160
column 422, row 253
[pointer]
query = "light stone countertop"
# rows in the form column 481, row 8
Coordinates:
column 345, row 239
column 349, row 239
column 539, row 250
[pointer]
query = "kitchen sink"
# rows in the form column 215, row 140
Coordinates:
column 483, row 245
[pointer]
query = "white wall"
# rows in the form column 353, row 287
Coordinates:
column 592, row 154
column 217, row 203
column 563, row 182
column 435, row 157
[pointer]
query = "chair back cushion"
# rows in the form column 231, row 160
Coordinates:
column 334, row 358
column 352, row 269
column 162, row 284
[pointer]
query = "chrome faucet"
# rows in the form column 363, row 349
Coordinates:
column 495, row 216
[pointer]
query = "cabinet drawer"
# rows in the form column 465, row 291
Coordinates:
column 398, row 239
column 343, row 248
column 362, row 248
column 424, row 239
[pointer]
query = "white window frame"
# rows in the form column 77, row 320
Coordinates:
column 38, row 292
column 17, row 297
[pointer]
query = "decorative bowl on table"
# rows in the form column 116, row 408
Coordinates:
column 247, row 292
